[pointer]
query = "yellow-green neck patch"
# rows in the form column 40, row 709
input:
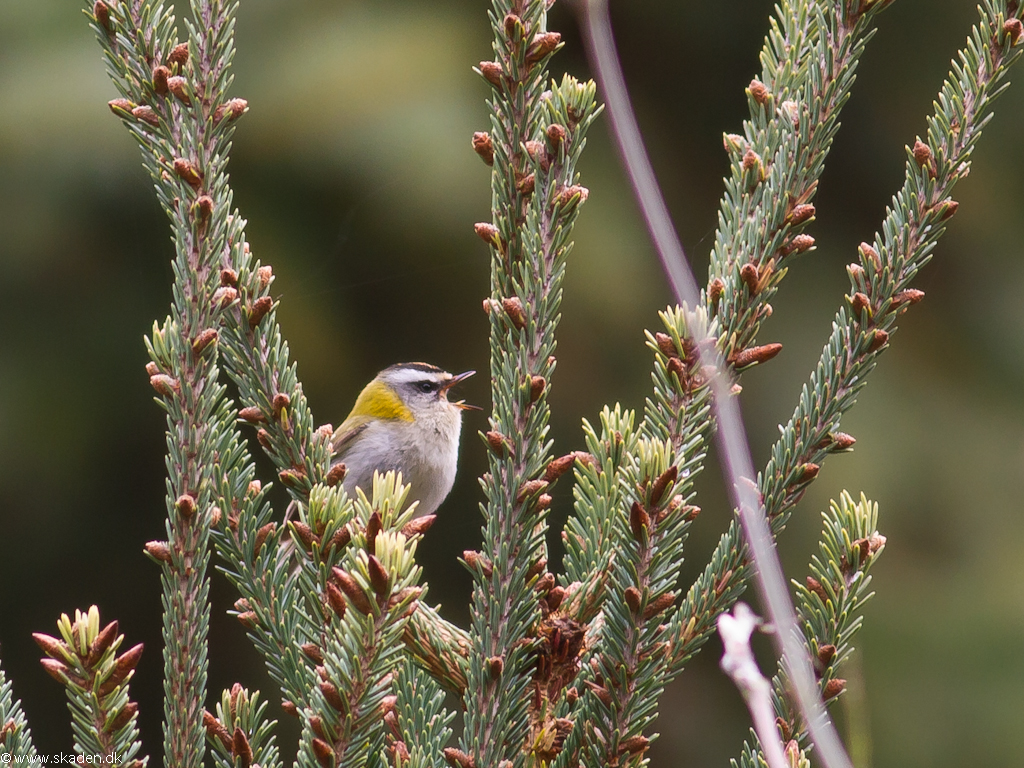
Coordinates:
column 379, row 401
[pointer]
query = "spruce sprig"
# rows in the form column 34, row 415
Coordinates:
column 174, row 104
column 879, row 293
column 84, row 659
column 534, row 145
column 15, row 734
column 419, row 724
column 830, row 606
column 240, row 733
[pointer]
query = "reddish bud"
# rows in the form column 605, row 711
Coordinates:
column 122, row 718
column 859, row 303
column 179, row 55
column 352, row 590
column 119, row 106
column 336, row 474
column 558, row 467
column 759, row 91
column 373, row 526
column 101, row 643
column 336, row 600
column 799, row 244
column 660, row 604
column 531, row 488
column 225, row 296
column 752, row 162
column 833, row 688
column 537, row 386
column 715, row 290
column 146, row 115
column 555, row 597
column 574, row 194
column 633, row 599
column 922, row 154
column 908, row 297
column 526, row 184
column 204, row 340
column 483, row 146
column 500, row 445
column 215, row 729
column 458, row 759
column 261, row 537
column 158, row 550
column 304, row 532
column 313, row 653
column 252, row 414
column 869, row 255
column 492, row 72
column 666, row 345
column 638, row 520
column 495, row 666
column 160, row 75
column 101, row 12
column 634, row 744
column 232, row 109
column 188, row 173
column 556, row 134
column 185, row 505
column 164, row 384
column 879, row 339
column 1013, row 29
column 755, row 355
column 513, row 307
column 815, row 586
column 826, row 653
column 323, row 753
column 749, row 276
column 419, row 526
column 808, row 472
column 241, row 748
column 51, row 646
column 259, row 310
column 340, row 539
column 487, row 232
column 661, row 484
column 178, row 85
column 945, row 209
column 542, row 45
column 478, row 562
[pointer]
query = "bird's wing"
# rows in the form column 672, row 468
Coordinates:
column 347, row 432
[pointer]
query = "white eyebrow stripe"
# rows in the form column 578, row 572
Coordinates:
column 409, row 375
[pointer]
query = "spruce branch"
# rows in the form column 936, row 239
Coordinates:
column 174, row 104
column 418, row 725
column 15, row 734
column 536, row 140
column 239, row 733
column 913, row 224
column 85, row 661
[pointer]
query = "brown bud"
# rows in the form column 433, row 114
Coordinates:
column 513, row 307
column 808, row 472
column 124, row 665
column 185, row 506
column 487, row 232
column 164, row 384
column 146, row 115
column 179, row 55
column 749, row 276
column 458, row 759
column 537, row 387
column 352, row 590
column 101, row 12
column 661, row 484
column 340, row 539
column 535, row 149
column 572, row 193
column 331, row 695
column 205, row 206
column 160, row 75
column 755, row 355
column 945, row 209
column 289, row 708
column 633, row 599
column 117, row 106
column 215, row 517
column 254, row 487
column 715, row 290
column 752, row 162
column 158, row 550
column 101, row 643
column 833, row 688
column 483, row 146
column 51, row 646
column 513, row 26
column 419, row 526
column 373, row 526
column 799, row 244
column 241, row 748
column 492, row 72
column 656, row 606
column 634, row 744
column 152, row 368
column 500, row 445
column 526, row 184
column 815, row 586
column 558, row 467
column 543, row 44
column 280, row 402
column 228, row 277
column 323, row 753
column 232, row 109
column 825, row 654
column 784, row 728
column 922, row 154
column 841, row 441
column 638, row 520
column 188, row 172
column 869, row 255
column 908, row 297
column 215, row 729
column 531, row 488
column 304, row 532
column 336, row 474
column 313, row 653
column 178, row 85
column 666, row 345
column 252, row 414
column 495, row 666
column 122, row 718
column 734, row 143
column 599, row 691
column 556, row 134
column 800, row 214
column 859, row 303
column 204, row 340
column 225, row 296
column 759, row 91
column 879, row 339
column 478, row 562
column 261, row 537
column 264, row 439
column 1013, row 29
column 265, row 275
column 336, row 600
column 555, row 597
column 259, row 310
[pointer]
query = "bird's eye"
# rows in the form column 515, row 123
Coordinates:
column 426, row 386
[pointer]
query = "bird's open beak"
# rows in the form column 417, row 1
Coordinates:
column 462, row 405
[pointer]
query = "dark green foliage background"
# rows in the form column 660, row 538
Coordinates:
column 355, row 172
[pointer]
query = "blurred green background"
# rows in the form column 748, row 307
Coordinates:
column 355, row 172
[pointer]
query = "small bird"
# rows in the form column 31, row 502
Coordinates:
column 403, row 421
